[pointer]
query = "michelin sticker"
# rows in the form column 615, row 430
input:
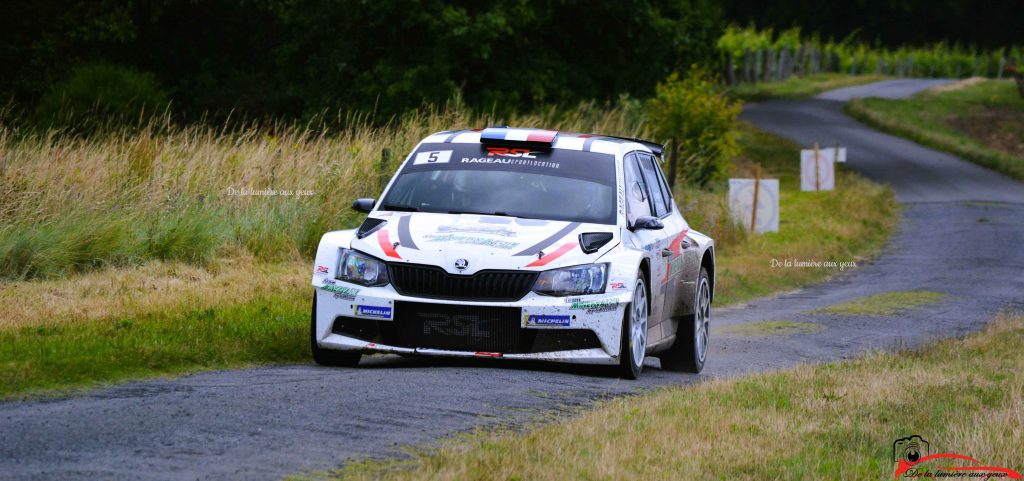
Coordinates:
column 377, row 312
column 546, row 320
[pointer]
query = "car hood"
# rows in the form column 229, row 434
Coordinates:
column 478, row 242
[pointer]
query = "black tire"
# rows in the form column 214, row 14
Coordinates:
column 629, row 366
column 329, row 357
column 685, row 355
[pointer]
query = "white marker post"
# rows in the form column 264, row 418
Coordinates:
column 817, row 172
column 836, row 154
column 762, row 214
column 839, row 155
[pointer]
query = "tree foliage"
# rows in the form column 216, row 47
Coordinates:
column 699, row 123
column 298, row 57
column 986, row 24
column 100, row 92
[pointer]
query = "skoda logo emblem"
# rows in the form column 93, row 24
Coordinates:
column 461, row 264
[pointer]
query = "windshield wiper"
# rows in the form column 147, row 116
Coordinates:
column 399, row 208
column 503, row 214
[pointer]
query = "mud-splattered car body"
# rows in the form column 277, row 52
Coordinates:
column 516, row 244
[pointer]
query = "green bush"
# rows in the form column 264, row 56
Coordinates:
column 98, row 95
column 77, row 242
column 700, row 123
column 190, row 234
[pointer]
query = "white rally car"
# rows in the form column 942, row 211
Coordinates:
column 519, row 244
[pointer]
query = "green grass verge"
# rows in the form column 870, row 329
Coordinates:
column 828, row 421
column 771, row 328
column 849, row 224
column 981, row 122
column 56, row 358
column 884, row 304
column 800, row 87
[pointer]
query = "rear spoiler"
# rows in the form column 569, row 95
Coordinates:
column 658, row 149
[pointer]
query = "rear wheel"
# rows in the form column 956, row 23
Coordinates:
column 634, row 332
column 690, row 349
column 329, row 357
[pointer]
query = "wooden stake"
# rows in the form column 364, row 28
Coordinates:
column 836, row 157
column 383, row 170
column 673, row 162
column 817, row 183
column 757, row 187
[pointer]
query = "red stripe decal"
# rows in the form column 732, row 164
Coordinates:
column 544, row 136
column 554, row 255
column 674, row 247
column 676, row 243
column 488, row 354
column 385, row 244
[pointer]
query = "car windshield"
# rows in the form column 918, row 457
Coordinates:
column 556, row 184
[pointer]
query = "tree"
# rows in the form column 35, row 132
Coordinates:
column 699, row 122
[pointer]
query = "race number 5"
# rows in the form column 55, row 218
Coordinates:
column 436, row 157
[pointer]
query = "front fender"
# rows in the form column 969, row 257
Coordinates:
column 325, row 265
column 624, row 266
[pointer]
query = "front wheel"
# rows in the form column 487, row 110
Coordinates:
column 329, row 357
column 690, row 349
column 634, row 332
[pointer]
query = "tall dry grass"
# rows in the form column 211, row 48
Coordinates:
column 159, row 191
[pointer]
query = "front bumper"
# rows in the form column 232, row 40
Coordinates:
column 379, row 319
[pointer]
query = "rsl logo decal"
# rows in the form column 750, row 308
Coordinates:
column 506, row 152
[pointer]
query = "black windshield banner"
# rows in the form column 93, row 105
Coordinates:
column 575, row 164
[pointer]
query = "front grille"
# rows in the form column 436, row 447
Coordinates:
column 463, row 328
column 433, row 282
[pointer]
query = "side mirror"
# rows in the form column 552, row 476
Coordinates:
column 647, row 222
column 363, row 205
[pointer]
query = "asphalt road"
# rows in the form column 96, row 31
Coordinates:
column 962, row 234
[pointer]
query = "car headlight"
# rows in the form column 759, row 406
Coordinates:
column 362, row 269
column 572, row 281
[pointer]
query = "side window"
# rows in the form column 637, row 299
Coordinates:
column 657, row 187
column 665, row 188
column 637, row 193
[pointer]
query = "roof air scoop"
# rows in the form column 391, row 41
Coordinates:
column 535, row 138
